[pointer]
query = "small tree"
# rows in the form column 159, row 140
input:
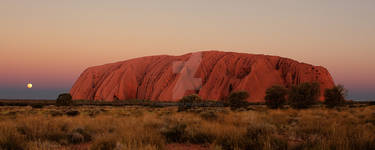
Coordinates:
column 335, row 96
column 64, row 99
column 275, row 97
column 187, row 102
column 238, row 99
column 304, row 95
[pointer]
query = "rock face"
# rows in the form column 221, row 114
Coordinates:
column 210, row 74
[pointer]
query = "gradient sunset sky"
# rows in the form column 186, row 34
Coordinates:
column 51, row 42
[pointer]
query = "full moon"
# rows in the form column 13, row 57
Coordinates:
column 29, row 85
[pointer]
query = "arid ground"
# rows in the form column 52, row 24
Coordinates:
column 139, row 127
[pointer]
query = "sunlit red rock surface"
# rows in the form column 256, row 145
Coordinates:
column 211, row 74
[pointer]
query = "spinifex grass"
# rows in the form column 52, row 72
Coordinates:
column 136, row 127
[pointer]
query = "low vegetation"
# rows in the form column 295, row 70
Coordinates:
column 275, row 97
column 304, row 95
column 238, row 100
column 137, row 127
column 193, row 123
column 335, row 96
column 188, row 102
column 64, row 99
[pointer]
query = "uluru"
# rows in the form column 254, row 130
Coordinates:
column 213, row 75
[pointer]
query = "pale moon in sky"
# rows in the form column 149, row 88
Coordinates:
column 29, row 85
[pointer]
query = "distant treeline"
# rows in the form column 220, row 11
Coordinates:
column 133, row 102
column 14, row 102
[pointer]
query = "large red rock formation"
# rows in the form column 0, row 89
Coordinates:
column 210, row 74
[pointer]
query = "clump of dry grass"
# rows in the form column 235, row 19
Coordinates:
column 135, row 127
column 10, row 138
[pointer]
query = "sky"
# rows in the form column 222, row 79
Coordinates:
column 49, row 43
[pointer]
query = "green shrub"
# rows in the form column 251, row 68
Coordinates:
column 304, row 95
column 275, row 97
column 64, row 99
column 335, row 96
column 237, row 99
column 188, row 102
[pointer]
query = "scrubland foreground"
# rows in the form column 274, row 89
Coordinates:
column 136, row 127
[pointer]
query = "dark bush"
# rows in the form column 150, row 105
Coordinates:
column 76, row 138
column 64, row 99
column 335, row 96
column 279, row 143
column 237, row 99
column 304, row 95
column 37, row 106
column 56, row 113
column 72, row 113
column 12, row 141
column 256, row 137
column 176, row 133
column 209, row 115
column 87, row 137
column 201, row 138
column 79, row 135
column 275, row 97
column 58, row 136
column 188, row 102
